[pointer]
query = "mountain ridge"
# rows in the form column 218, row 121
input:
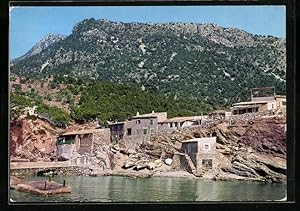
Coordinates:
column 196, row 61
column 42, row 44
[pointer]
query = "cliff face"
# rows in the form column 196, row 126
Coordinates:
column 32, row 140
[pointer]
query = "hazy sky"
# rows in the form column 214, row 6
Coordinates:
column 30, row 24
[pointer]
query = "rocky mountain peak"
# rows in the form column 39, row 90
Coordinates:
column 42, row 44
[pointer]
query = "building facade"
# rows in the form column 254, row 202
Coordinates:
column 137, row 128
column 180, row 122
column 201, row 151
column 252, row 107
column 281, row 103
column 72, row 144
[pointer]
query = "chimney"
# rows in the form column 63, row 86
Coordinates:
column 153, row 112
column 137, row 113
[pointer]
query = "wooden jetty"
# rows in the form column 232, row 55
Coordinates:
column 43, row 187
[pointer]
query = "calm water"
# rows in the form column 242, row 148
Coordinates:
column 122, row 189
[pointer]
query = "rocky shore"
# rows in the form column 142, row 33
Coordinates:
column 254, row 151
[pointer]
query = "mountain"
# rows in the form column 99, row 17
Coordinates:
column 199, row 62
column 41, row 45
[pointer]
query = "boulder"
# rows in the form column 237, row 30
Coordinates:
column 140, row 165
column 151, row 166
column 168, row 161
column 131, row 151
column 128, row 164
column 116, row 147
column 113, row 150
column 158, row 163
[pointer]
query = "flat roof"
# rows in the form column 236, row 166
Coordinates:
column 199, row 139
column 246, row 106
column 78, row 132
column 182, row 119
column 280, row 96
column 149, row 115
column 116, row 123
column 218, row 111
column 251, row 102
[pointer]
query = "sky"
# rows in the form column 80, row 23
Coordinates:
column 28, row 25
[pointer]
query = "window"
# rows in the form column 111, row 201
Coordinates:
column 145, row 131
column 138, row 121
column 283, row 103
column 66, row 140
column 129, row 131
column 171, row 124
column 206, row 146
column 175, row 124
column 207, row 163
column 151, row 122
column 152, row 131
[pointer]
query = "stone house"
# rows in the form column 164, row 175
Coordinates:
column 258, row 103
column 281, row 103
column 200, row 154
column 219, row 114
column 181, row 122
column 253, row 106
column 117, row 131
column 72, row 144
column 138, row 128
column 141, row 127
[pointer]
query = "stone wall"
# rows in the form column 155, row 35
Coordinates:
column 206, row 150
column 248, row 117
column 102, row 135
column 65, row 151
column 86, row 143
column 71, row 170
column 138, row 127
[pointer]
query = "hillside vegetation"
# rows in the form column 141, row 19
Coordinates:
column 90, row 100
column 183, row 61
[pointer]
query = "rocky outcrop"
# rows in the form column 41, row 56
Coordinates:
column 32, row 140
column 48, row 40
column 256, row 151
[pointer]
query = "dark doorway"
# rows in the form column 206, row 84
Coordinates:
column 129, row 131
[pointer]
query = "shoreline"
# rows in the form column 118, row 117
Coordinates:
column 156, row 174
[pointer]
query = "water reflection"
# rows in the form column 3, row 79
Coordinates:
column 122, row 189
